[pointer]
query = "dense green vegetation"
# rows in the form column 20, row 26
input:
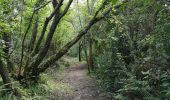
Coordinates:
column 126, row 44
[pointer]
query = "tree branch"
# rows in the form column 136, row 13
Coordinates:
column 37, row 47
column 46, row 64
column 23, row 41
column 67, row 7
column 65, row 49
column 37, row 59
column 42, row 6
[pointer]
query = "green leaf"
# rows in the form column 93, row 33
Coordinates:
column 114, row 2
column 166, row 28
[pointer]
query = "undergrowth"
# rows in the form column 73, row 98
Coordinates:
column 47, row 85
column 39, row 91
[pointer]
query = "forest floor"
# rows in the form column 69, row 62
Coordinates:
column 77, row 85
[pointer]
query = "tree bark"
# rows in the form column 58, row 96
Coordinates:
column 32, row 67
column 46, row 22
column 31, row 44
column 6, row 50
column 31, row 70
column 23, row 42
column 79, row 50
column 91, row 51
column 34, row 36
column 5, row 76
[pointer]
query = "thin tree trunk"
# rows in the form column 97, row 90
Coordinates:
column 46, row 22
column 91, row 51
column 34, row 36
column 31, row 44
column 81, row 26
column 90, row 58
column 23, row 43
column 80, row 51
column 86, row 57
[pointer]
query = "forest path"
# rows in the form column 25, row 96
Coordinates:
column 78, row 85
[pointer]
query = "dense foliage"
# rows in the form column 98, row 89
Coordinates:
column 124, row 42
column 131, row 51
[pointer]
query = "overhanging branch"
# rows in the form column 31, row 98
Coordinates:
column 46, row 64
column 65, row 49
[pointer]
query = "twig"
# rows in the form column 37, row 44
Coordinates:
column 36, row 9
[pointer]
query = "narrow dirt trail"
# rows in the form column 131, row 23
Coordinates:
column 82, row 87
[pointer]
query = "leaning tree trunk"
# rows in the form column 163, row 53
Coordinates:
column 36, row 66
column 32, row 67
column 56, row 6
column 46, row 64
column 65, row 49
column 31, row 70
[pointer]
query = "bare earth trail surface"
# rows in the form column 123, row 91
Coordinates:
column 77, row 85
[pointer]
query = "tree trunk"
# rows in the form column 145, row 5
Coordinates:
column 5, row 76
column 81, row 26
column 90, row 52
column 90, row 7
column 6, row 50
column 65, row 49
column 34, row 35
column 36, row 66
column 31, row 71
column 79, row 50
column 46, row 64
column 31, row 44
column 32, row 67
column 46, row 22
column 86, row 57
